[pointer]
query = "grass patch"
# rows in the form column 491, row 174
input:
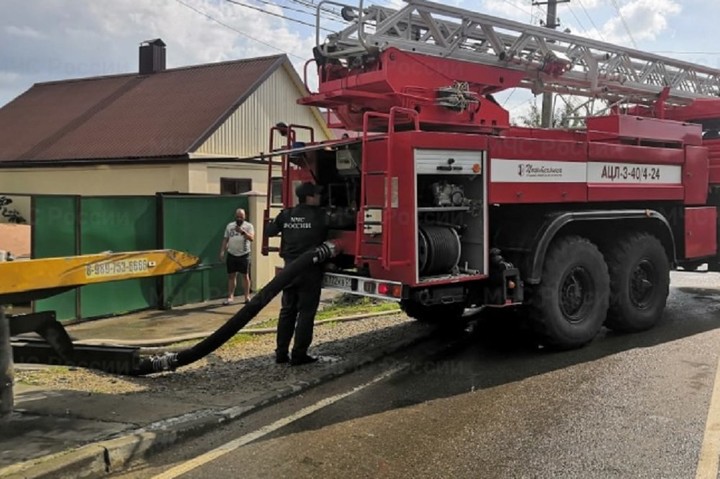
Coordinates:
column 39, row 377
column 270, row 323
column 343, row 305
column 239, row 339
column 349, row 304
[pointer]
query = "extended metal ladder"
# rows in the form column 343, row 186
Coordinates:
column 553, row 61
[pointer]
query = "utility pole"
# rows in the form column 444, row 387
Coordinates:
column 550, row 22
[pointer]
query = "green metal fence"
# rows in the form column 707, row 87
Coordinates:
column 55, row 233
column 117, row 224
column 71, row 225
column 195, row 224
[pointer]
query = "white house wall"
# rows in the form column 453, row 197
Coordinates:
column 246, row 133
column 96, row 180
column 262, row 267
column 215, row 171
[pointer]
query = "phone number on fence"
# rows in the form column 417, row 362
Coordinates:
column 114, row 268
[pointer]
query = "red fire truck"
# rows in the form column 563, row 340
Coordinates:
column 442, row 204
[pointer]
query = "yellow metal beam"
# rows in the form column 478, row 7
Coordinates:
column 71, row 271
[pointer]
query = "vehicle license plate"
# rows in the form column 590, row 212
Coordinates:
column 338, row 282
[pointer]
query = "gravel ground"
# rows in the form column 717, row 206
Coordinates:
column 243, row 366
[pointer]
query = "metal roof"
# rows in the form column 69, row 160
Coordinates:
column 161, row 115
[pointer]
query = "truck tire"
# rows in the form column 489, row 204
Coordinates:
column 570, row 304
column 639, row 283
column 435, row 314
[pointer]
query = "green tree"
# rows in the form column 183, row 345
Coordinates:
column 534, row 116
column 565, row 115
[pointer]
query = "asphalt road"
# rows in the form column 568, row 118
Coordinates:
column 636, row 406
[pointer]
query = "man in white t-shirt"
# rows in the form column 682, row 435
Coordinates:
column 236, row 241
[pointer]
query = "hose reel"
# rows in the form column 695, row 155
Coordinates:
column 438, row 249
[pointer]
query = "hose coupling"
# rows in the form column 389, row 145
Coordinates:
column 166, row 362
column 325, row 251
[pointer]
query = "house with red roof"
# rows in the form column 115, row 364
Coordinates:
column 196, row 129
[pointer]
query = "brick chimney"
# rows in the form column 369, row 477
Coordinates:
column 152, row 56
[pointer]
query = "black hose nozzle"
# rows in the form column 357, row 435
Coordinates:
column 172, row 361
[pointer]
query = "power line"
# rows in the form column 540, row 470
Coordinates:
column 325, row 12
column 576, row 17
column 287, row 7
column 622, row 19
column 532, row 15
column 310, row 4
column 591, row 20
column 301, row 22
column 509, row 96
column 209, row 17
column 339, row 19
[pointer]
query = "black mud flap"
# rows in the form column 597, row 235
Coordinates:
column 505, row 287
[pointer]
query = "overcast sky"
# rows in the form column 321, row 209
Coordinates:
column 43, row 40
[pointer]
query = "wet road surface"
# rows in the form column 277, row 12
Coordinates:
column 499, row 406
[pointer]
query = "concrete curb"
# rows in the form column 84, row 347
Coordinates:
column 112, row 455
column 150, row 343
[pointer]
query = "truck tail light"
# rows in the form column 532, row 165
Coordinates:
column 393, row 290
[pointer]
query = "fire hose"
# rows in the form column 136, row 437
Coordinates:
column 172, row 360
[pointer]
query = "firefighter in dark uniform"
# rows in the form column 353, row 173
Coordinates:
column 301, row 228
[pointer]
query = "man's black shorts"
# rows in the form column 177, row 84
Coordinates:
column 238, row 264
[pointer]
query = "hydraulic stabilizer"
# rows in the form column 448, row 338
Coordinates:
column 171, row 361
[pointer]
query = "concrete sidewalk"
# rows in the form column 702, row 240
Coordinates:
column 148, row 328
column 105, row 422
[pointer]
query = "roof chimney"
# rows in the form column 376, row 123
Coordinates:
column 152, row 56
